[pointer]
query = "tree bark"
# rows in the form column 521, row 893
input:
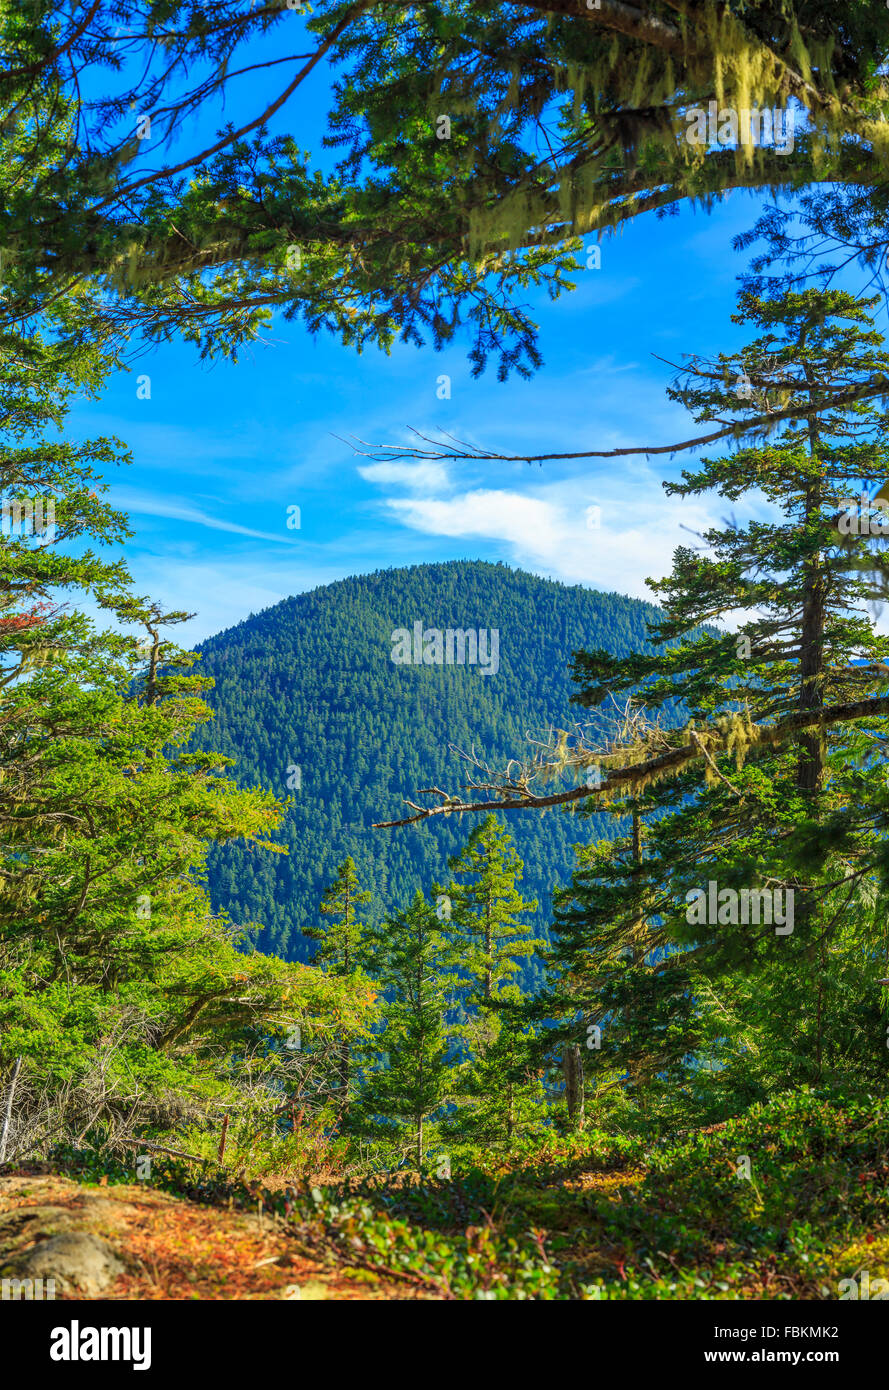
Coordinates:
column 489, row 974
column 345, row 1069
column 7, row 1109
column 810, row 765
column 572, row 1066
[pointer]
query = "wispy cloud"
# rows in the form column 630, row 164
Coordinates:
column 419, row 477
column 140, row 503
column 612, row 536
column 225, row 592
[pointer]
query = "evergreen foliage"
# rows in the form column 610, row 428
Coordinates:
column 125, row 1003
column 484, row 906
column 309, row 684
column 415, row 1081
column 789, row 714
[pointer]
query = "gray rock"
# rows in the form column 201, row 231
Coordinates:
column 27, row 1224
column 77, row 1261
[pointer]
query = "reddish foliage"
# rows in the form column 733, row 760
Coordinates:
column 23, row 622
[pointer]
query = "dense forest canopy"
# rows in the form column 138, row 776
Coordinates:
column 310, row 684
column 629, row 1045
column 475, row 145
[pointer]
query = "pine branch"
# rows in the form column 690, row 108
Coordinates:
column 514, row 797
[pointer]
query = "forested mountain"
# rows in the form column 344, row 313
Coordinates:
column 310, row 684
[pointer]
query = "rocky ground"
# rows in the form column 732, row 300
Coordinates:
column 138, row 1243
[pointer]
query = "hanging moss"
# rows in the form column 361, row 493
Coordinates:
column 633, row 99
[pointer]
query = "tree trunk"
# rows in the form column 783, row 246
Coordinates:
column 637, row 949
column 637, row 859
column 810, row 762
column 819, row 1021
column 7, row 1109
column 572, row 1066
column 489, row 973
column 812, row 744
column 221, row 1155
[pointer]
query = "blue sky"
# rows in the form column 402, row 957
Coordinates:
column 221, row 451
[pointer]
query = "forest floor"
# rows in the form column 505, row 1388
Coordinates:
column 167, row 1247
column 788, row 1201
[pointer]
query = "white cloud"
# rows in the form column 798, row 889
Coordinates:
column 418, row 477
column 548, row 530
column 150, row 504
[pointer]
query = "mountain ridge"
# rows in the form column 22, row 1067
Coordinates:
column 309, row 684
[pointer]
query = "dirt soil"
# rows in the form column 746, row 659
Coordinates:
column 169, row 1247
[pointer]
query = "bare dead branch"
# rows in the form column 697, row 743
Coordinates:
column 877, row 385
column 513, row 796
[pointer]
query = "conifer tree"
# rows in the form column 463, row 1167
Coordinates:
column 253, row 227
column 501, row 1088
column 626, row 1013
column 415, row 970
column 212, row 237
column 484, row 909
column 771, row 798
column 342, row 950
column 787, row 722
column 124, row 1001
column 343, row 939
